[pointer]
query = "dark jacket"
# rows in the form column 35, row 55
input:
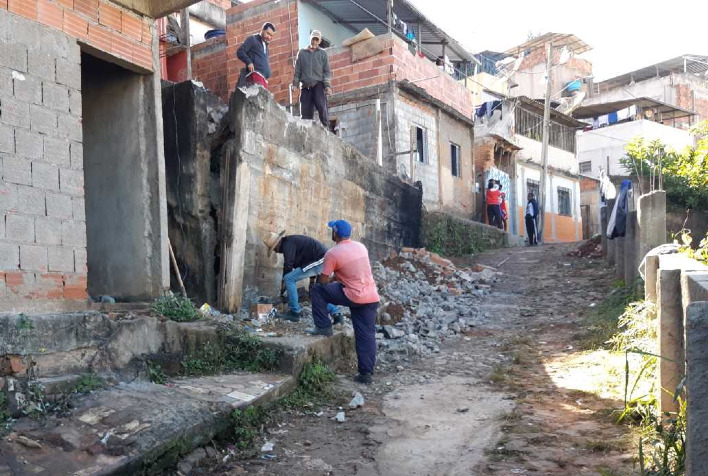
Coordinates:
column 534, row 205
column 300, row 251
column 251, row 52
column 312, row 67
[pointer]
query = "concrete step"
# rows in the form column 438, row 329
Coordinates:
column 131, row 427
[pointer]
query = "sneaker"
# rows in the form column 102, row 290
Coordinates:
column 337, row 318
column 319, row 331
column 363, row 378
column 289, row 316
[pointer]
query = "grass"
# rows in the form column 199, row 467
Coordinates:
column 176, row 308
column 247, row 424
column 88, row 383
column 499, row 374
column 4, row 415
column 239, row 350
column 602, row 324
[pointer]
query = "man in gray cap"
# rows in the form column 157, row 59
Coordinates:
column 313, row 71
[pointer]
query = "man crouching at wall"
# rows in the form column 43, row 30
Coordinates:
column 352, row 286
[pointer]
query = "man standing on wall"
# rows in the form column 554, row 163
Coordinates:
column 313, row 71
column 352, row 286
column 531, row 219
column 255, row 54
column 303, row 258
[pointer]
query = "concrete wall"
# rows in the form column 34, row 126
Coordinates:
column 310, row 18
column 599, row 144
column 557, row 158
column 285, row 173
column 457, row 195
column 454, row 236
column 192, row 152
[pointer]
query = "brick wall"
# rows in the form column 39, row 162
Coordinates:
column 397, row 63
column 100, row 24
column 42, row 218
column 245, row 20
column 208, row 66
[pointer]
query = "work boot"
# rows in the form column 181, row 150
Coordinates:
column 337, row 318
column 363, row 378
column 291, row 316
column 320, row 331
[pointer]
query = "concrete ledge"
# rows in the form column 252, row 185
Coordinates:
column 149, row 426
column 697, row 388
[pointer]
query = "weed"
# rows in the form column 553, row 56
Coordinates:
column 176, row 308
column 247, row 424
column 88, row 383
column 499, row 374
column 599, row 446
column 511, row 416
column 315, row 387
column 4, row 415
column 452, row 237
column 239, row 350
column 602, row 324
column 155, row 373
column 24, row 323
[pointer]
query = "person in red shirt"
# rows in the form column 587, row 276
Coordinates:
column 493, row 203
column 352, row 286
column 504, row 211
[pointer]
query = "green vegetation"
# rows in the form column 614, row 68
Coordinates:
column 602, row 324
column 155, row 373
column 24, row 323
column 247, row 424
column 238, row 350
column 449, row 236
column 88, row 383
column 176, row 308
column 314, row 389
column 700, row 254
column 685, row 174
column 4, row 415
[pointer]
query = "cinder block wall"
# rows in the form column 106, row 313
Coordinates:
column 42, row 209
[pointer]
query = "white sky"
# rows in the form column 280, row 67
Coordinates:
column 625, row 34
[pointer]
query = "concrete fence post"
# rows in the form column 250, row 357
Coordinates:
column 619, row 257
column 651, row 218
column 697, row 389
column 651, row 268
column 631, row 248
column 670, row 317
column 604, row 216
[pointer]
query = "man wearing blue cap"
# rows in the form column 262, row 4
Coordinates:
column 352, row 286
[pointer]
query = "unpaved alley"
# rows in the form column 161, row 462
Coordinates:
column 514, row 394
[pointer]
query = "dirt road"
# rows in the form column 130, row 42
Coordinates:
column 514, row 396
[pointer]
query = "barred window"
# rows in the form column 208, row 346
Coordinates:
column 564, row 201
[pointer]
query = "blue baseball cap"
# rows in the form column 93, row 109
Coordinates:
column 341, row 227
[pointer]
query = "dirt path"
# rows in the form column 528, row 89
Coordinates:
column 514, row 396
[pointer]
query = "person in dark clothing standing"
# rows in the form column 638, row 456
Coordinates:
column 313, row 71
column 531, row 219
column 255, row 54
column 304, row 258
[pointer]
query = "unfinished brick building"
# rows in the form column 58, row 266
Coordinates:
column 82, row 186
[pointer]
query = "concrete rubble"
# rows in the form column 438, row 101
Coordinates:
column 424, row 299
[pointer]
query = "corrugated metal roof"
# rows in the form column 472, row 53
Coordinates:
column 668, row 111
column 371, row 14
column 694, row 64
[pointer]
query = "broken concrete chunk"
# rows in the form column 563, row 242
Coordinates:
column 393, row 333
column 341, row 418
column 357, row 401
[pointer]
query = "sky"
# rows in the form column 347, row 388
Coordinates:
column 625, row 34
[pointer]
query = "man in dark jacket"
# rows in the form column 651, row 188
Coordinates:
column 255, row 54
column 531, row 219
column 313, row 71
column 303, row 258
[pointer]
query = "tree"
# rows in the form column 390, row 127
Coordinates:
column 685, row 174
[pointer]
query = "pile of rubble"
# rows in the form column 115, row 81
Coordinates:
column 588, row 249
column 426, row 299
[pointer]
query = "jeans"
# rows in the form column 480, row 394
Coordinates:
column 494, row 215
column 531, row 230
column 293, row 277
column 363, row 319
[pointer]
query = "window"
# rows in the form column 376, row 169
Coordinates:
column 564, row 201
column 532, row 186
column 585, row 167
column 455, row 160
column 530, row 125
column 421, row 144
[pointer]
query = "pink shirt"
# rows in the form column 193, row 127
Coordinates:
column 349, row 261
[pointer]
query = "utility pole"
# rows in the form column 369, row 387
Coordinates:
column 546, row 134
column 389, row 14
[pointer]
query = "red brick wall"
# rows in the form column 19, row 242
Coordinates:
column 588, row 184
column 101, row 24
column 209, row 66
column 245, row 20
column 397, row 63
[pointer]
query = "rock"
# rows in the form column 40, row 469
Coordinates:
column 357, row 401
column 267, row 447
column 341, row 418
column 393, row 333
column 29, row 443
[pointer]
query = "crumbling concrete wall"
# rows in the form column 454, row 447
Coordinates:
column 193, row 139
column 452, row 236
column 288, row 174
